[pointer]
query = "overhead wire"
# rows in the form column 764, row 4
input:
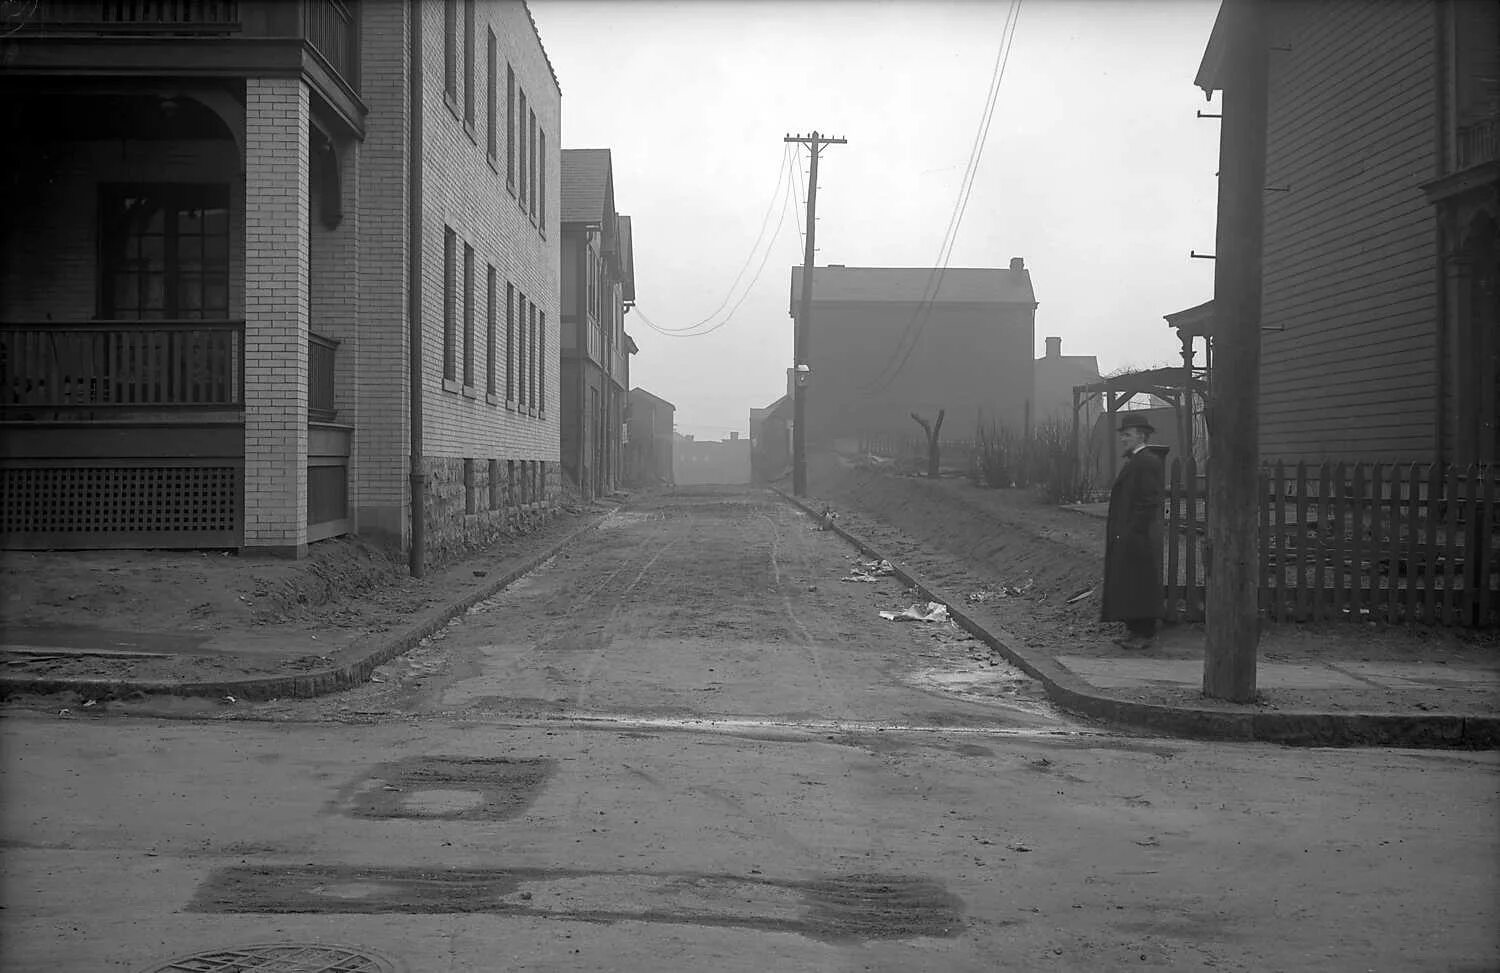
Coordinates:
column 765, row 257
column 777, row 194
column 922, row 313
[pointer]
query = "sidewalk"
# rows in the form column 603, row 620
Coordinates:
column 1447, row 699
column 120, row 625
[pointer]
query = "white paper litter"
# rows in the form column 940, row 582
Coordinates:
column 933, row 611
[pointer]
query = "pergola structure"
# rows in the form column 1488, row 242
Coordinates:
column 1175, row 386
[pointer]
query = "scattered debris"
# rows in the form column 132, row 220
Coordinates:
column 870, row 572
column 982, row 596
column 90, row 702
column 228, row 699
column 1080, row 595
column 825, row 519
column 64, row 714
column 1005, row 591
column 933, row 612
column 1148, row 842
column 1018, row 846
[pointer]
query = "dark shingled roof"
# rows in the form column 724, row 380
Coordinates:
column 909, row 285
column 586, row 178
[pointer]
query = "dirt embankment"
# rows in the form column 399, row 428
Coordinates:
column 973, row 540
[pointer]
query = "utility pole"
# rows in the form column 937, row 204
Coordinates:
column 803, row 322
column 1233, row 625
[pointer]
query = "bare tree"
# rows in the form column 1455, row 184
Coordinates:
column 932, row 429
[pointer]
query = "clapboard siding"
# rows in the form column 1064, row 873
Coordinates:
column 1350, row 305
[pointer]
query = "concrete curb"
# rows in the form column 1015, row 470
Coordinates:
column 1302, row 728
column 319, row 682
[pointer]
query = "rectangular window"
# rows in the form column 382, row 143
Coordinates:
column 531, row 161
column 521, row 147
column 541, row 180
column 489, row 330
column 541, row 360
column 164, row 251
column 450, row 52
column 471, row 495
column 450, row 299
column 521, row 350
column 510, row 342
column 493, row 471
column 469, row 63
column 491, row 98
column 510, row 128
column 510, row 481
column 531, row 356
column 468, row 316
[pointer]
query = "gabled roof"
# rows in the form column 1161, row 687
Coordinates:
column 638, row 391
column 587, row 186
column 912, row 285
column 1211, row 68
column 627, row 258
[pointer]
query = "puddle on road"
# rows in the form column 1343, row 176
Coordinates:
column 844, row 907
column 449, row 788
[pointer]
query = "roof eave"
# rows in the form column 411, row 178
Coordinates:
column 1211, row 69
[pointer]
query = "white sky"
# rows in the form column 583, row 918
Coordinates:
column 1096, row 169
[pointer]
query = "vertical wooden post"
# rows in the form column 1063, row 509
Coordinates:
column 1357, row 544
column 1279, row 498
column 1301, row 572
column 1233, row 628
column 1413, row 539
column 1177, row 535
column 1340, row 511
column 1434, row 508
column 1190, row 532
column 1377, row 500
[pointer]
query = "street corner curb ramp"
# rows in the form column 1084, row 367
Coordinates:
column 1288, row 727
column 317, row 682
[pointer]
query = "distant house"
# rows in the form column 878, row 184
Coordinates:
column 771, row 440
column 598, row 288
column 1054, row 376
column 1380, row 338
column 223, row 225
column 705, row 462
column 648, row 444
column 886, row 342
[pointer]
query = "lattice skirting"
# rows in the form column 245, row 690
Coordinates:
column 120, row 506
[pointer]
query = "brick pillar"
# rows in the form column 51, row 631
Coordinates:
column 276, row 281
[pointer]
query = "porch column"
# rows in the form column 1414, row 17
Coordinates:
column 276, row 311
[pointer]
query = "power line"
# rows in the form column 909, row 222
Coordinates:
column 765, row 220
column 923, row 311
column 766, row 256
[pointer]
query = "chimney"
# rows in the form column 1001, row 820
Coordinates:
column 1017, row 263
column 1054, row 347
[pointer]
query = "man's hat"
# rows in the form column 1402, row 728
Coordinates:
column 1134, row 420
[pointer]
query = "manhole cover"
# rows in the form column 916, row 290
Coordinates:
column 280, row 958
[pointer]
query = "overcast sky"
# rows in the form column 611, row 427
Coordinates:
column 1096, row 169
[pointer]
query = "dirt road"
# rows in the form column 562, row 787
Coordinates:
column 688, row 745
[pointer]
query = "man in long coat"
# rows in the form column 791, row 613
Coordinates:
column 1132, row 551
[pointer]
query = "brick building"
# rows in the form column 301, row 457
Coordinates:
column 1380, row 333
column 598, row 288
column 1054, row 376
column 225, row 223
column 886, row 342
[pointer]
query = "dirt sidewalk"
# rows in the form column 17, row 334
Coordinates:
column 1034, row 571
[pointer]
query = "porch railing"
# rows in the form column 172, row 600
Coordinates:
column 122, row 364
column 1477, row 142
column 321, row 357
column 134, row 16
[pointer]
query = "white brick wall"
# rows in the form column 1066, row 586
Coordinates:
column 276, row 313
column 464, row 192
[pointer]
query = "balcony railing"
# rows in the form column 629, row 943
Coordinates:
column 134, row 16
column 329, row 27
column 122, row 364
column 1476, row 143
column 321, row 358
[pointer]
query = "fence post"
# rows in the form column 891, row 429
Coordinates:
column 1429, row 557
column 1174, row 537
column 1474, row 538
column 1338, row 567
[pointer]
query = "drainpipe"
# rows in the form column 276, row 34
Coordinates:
column 417, row 557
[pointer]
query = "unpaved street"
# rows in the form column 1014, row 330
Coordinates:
column 686, row 744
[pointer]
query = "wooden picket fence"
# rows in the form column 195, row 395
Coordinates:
column 1412, row 544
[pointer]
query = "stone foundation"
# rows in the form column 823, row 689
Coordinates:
column 471, row 504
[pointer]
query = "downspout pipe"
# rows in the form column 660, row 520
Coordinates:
column 417, row 553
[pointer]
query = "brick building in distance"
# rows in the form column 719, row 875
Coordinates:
column 648, row 446
column 887, row 342
column 226, row 223
column 1054, row 376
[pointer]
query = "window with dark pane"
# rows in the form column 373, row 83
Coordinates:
column 164, row 251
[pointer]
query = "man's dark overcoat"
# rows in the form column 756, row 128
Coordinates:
column 1133, row 548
